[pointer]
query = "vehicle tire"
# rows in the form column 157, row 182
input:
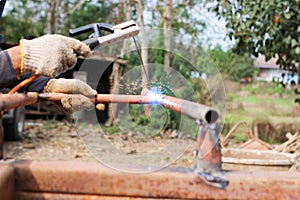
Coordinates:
column 13, row 124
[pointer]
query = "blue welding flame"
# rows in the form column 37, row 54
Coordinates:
column 158, row 97
column 155, row 95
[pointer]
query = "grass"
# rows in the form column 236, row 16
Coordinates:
column 281, row 102
column 255, row 106
column 261, row 102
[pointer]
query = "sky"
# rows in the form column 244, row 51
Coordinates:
column 215, row 32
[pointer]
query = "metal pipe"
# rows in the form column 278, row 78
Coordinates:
column 191, row 109
column 10, row 101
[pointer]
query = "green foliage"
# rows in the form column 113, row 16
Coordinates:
column 28, row 18
column 232, row 64
column 25, row 19
column 267, row 88
column 112, row 130
column 87, row 13
column 279, row 88
column 264, row 27
column 138, row 122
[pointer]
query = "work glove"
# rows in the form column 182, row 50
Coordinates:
column 71, row 103
column 50, row 55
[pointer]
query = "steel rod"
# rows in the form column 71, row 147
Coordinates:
column 191, row 109
column 10, row 101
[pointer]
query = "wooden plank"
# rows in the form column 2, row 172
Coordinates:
column 257, row 157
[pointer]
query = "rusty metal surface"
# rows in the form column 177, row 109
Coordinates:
column 208, row 150
column 6, row 181
column 1, row 138
column 56, row 196
column 9, row 101
column 94, row 179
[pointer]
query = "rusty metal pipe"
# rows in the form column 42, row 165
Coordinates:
column 191, row 109
column 10, row 101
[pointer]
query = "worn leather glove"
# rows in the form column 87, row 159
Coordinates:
column 50, row 55
column 71, row 103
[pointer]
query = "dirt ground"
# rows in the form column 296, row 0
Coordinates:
column 59, row 140
column 54, row 140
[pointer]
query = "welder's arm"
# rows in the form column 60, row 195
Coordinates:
column 47, row 55
column 9, row 79
column 8, row 76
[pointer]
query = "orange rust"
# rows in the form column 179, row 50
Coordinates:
column 213, row 156
column 58, row 196
column 84, row 179
column 9, row 101
column 209, row 158
column 1, row 139
column 6, row 181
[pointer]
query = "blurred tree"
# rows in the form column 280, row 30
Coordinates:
column 167, row 34
column 128, row 15
column 179, row 28
column 24, row 19
column 144, row 52
column 232, row 64
column 74, row 13
column 33, row 18
column 264, row 27
column 52, row 16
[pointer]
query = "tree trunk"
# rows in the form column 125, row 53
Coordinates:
column 144, row 51
column 127, row 18
column 167, row 36
column 114, row 89
column 52, row 16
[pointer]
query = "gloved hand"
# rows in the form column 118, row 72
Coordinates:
column 71, row 104
column 50, row 55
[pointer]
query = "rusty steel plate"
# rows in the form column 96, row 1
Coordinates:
column 6, row 181
column 94, row 179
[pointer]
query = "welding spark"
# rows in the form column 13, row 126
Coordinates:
column 157, row 97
